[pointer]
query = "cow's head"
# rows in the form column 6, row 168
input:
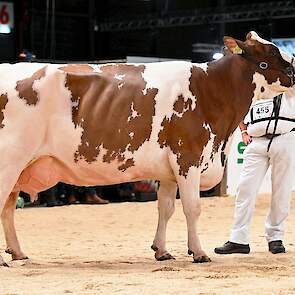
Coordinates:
column 273, row 68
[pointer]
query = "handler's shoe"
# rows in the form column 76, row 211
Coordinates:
column 276, row 247
column 230, row 248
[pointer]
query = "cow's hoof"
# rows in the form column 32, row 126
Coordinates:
column 15, row 256
column 155, row 248
column 199, row 259
column 166, row 256
column 4, row 264
column 202, row 259
column 19, row 257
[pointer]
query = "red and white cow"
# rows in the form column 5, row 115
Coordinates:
column 106, row 124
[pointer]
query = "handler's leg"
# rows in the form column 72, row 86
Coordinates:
column 7, row 218
column 166, row 200
column 255, row 165
column 283, row 171
column 254, row 168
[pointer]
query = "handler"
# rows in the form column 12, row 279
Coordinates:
column 269, row 133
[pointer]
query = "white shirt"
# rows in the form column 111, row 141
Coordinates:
column 261, row 111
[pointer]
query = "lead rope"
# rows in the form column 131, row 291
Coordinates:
column 276, row 111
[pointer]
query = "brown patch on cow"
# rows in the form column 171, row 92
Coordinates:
column 3, row 103
column 77, row 68
column 218, row 105
column 115, row 114
column 126, row 165
column 186, row 137
column 181, row 104
column 25, row 87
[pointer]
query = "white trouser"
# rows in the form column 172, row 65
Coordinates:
column 281, row 158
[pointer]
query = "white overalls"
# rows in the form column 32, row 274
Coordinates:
column 281, row 159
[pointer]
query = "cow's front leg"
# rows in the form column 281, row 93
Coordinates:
column 7, row 218
column 189, row 188
column 166, row 206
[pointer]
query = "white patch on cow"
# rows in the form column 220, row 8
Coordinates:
column 75, row 104
column 134, row 113
column 285, row 56
column 119, row 77
column 207, row 127
column 270, row 90
column 131, row 134
column 96, row 68
column 180, row 142
column 87, row 143
column 255, row 36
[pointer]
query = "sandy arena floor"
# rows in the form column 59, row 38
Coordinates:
column 83, row 249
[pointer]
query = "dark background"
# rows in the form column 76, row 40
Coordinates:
column 89, row 30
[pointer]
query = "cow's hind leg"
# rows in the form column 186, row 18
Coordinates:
column 7, row 218
column 190, row 198
column 11, row 166
column 4, row 196
column 166, row 207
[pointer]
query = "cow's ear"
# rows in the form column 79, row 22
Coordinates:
column 233, row 45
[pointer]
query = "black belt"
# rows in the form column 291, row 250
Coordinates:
column 270, row 136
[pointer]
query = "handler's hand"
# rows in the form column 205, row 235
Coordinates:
column 246, row 138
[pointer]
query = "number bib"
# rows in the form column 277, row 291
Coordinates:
column 262, row 110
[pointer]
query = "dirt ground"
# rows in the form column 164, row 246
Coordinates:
column 82, row 249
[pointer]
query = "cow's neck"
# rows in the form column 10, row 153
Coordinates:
column 224, row 94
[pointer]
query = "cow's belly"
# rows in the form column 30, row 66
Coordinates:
column 46, row 171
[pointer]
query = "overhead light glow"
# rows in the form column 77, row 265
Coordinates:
column 5, row 29
column 217, row 55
